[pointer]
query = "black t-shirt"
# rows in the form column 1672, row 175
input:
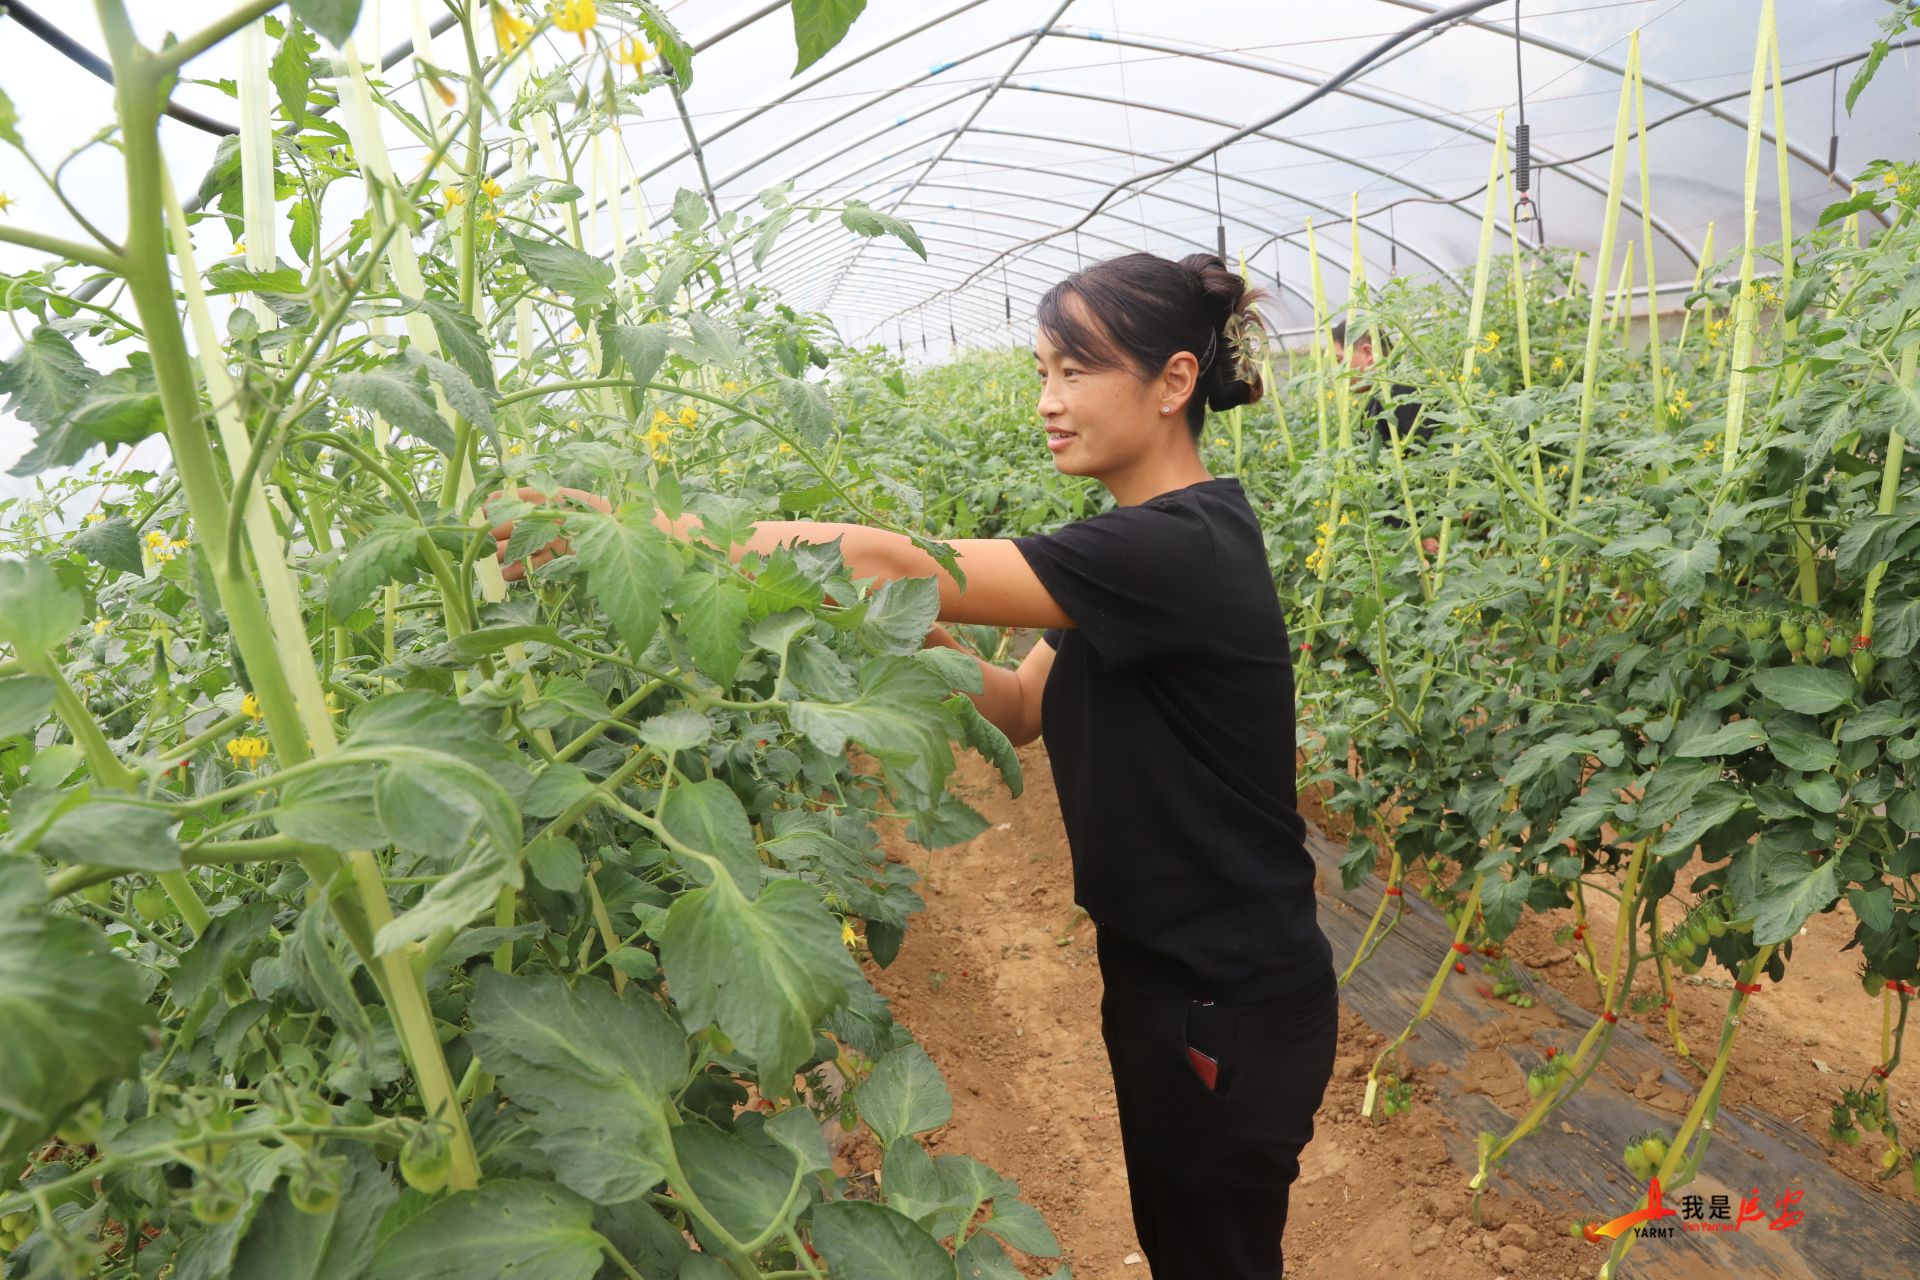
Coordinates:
column 1405, row 419
column 1168, row 717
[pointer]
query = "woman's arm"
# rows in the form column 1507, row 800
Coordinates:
column 1001, row 589
column 1010, row 700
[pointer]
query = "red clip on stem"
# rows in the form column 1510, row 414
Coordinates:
column 1463, row 948
column 1880, row 1071
column 1610, row 1016
column 1747, row 988
column 1393, row 891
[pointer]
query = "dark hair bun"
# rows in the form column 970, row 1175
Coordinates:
column 1232, row 377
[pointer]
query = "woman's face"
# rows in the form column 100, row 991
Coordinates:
column 1100, row 422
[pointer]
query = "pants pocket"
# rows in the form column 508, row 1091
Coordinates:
column 1209, row 1042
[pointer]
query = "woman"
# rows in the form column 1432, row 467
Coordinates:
column 1165, row 691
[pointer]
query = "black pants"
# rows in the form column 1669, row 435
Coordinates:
column 1209, row 1169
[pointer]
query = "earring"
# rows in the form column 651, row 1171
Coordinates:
column 1166, row 408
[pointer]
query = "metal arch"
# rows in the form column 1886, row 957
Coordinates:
column 822, row 76
column 1795, row 150
column 811, row 272
column 1055, row 201
column 1284, row 285
column 796, row 285
column 788, row 250
column 1390, row 103
column 985, row 100
column 1174, row 111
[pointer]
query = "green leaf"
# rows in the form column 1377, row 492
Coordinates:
column 24, row 703
column 287, row 1243
column 1904, row 809
column 37, row 611
column 594, row 1073
column 1872, row 539
column 1503, row 898
column 767, row 234
column 982, row 1258
column 642, row 346
column 744, row 1185
column 715, row 342
column 808, row 407
column 334, row 19
column 222, row 950
column 689, row 209
column 112, row 543
column 904, row 1095
column 960, row 670
column 948, row 821
column 45, row 379
column 898, row 712
column 766, row 971
column 707, row 816
column 315, row 958
column 451, row 903
column 629, row 565
column 819, row 25
column 291, row 72
column 713, row 613
column 899, row 616
column 1792, row 888
column 74, row 1013
column 865, row 1241
column 1873, row 906
column 110, row 833
column 985, row 737
column 1684, row 573
column 1809, row 690
column 460, row 338
column 121, row 407
column 862, row 219
column 564, row 269
column 1821, row 792
column 389, row 551
column 1020, row 1225
column 508, row 1227
column 236, row 277
column 10, row 122
column 463, row 396
column 1712, row 805
column 401, row 399
column 1728, row 740
column 681, row 729
column 556, row 863
column 1801, row 749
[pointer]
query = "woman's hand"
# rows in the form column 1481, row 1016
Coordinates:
column 558, row 547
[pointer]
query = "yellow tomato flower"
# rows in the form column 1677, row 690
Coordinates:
column 509, row 29
column 847, row 935
column 6, row 202
column 239, row 247
column 1545, row 563
column 689, row 416
column 99, row 626
column 660, row 418
column 454, row 196
column 656, row 438
column 247, row 751
column 577, row 16
column 250, row 707
column 1889, row 179
column 632, row 51
column 490, row 188
column 156, row 539
column 94, row 517
column 515, row 449
column 729, row 385
column 1489, row 340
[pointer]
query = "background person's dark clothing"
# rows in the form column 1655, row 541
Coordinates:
column 1414, row 430
column 1209, row 1171
column 1169, row 720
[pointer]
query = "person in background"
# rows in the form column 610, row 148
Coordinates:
column 1407, row 413
column 1164, row 685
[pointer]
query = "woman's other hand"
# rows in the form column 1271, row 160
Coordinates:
column 558, row 547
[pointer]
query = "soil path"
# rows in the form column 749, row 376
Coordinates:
column 999, row 981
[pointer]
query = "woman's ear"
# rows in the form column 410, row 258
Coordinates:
column 1178, row 380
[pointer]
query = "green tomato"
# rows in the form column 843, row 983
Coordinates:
column 426, row 1161
column 1873, row 983
column 152, row 904
column 1697, row 931
column 1849, row 1135
column 1863, row 664
column 100, row 895
column 315, row 1186
column 214, row 1202
column 1654, row 1147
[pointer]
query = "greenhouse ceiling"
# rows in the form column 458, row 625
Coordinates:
column 1024, row 139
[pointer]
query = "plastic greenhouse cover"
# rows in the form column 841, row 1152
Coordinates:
column 1023, row 138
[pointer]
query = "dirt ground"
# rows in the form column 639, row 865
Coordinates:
column 998, row 980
